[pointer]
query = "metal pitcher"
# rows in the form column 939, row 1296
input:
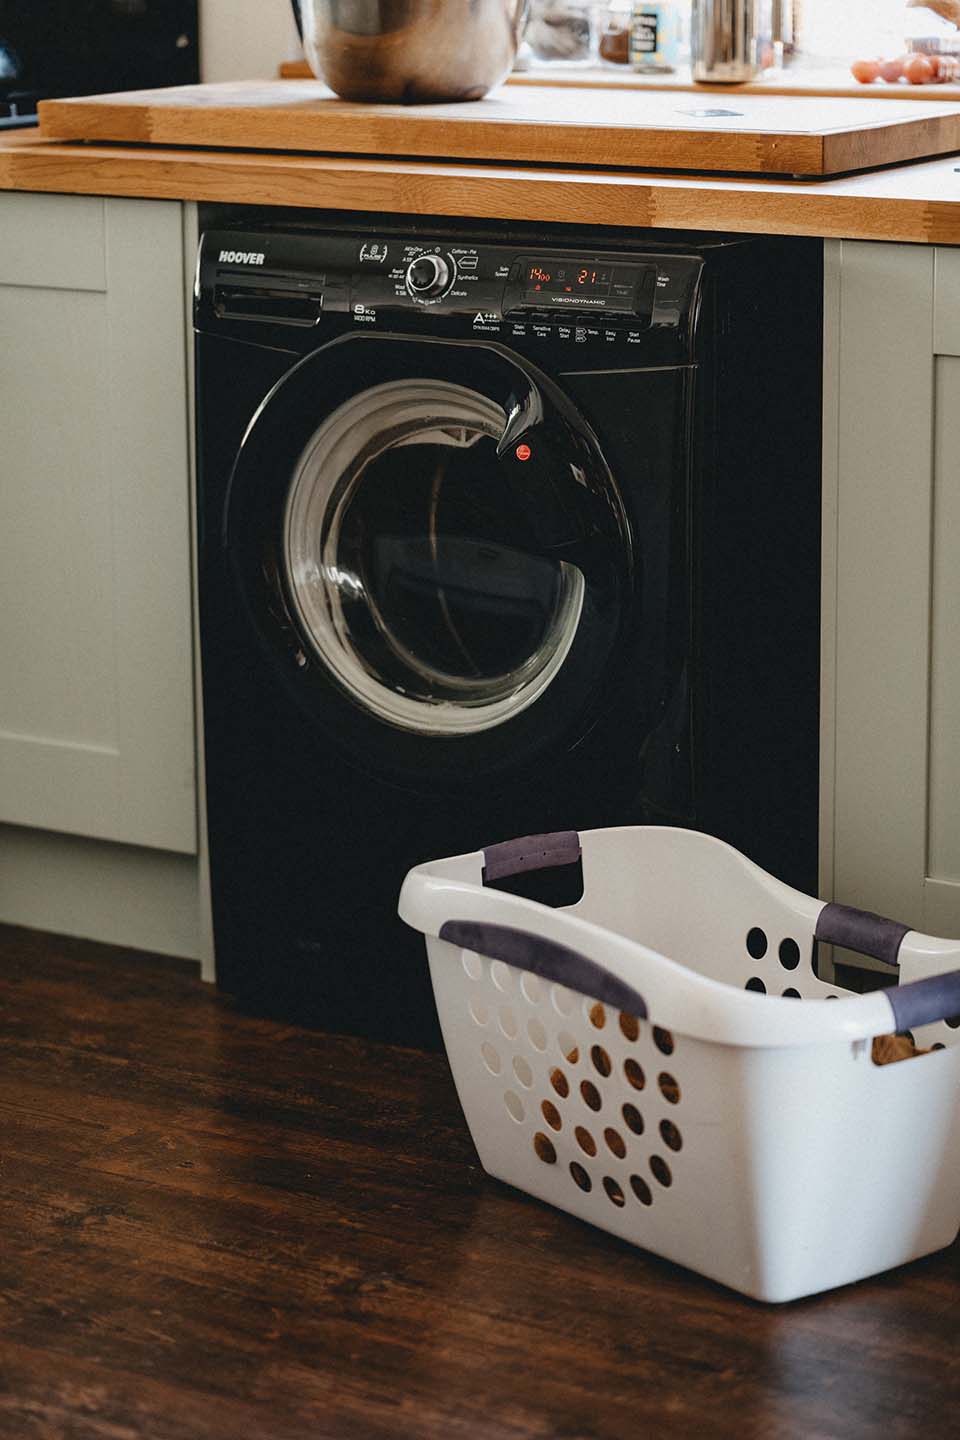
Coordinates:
column 730, row 40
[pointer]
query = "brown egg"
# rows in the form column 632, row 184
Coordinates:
column 866, row 71
column 891, row 70
column 918, row 70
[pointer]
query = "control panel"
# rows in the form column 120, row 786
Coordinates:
column 584, row 298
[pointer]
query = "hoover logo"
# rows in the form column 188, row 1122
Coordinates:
column 241, row 257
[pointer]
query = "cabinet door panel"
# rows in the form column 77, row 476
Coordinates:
column 946, row 338
column 943, row 862
column 45, row 244
column 96, row 723
column 884, row 466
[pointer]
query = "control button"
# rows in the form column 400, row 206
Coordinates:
column 634, row 337
column 543, row 332
column 565, row 333
column 429, row 275
column 518, row 330
column 611, row 336
column 468, row 262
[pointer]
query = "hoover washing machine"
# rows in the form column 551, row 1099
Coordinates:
column 501, row 532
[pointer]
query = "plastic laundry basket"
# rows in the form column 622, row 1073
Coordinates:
column 620, row 1059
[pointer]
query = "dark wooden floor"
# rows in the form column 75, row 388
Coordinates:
column 217, row 1228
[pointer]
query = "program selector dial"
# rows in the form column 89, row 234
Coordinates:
column 429, row 276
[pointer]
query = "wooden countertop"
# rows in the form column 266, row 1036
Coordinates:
column 217, row 1226
column 918, row 202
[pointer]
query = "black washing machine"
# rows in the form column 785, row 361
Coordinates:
column 500, row 533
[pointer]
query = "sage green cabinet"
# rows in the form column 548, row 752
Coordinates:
column 97, row 735
column 891, row 737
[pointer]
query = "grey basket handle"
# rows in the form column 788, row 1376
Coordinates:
column 546, row 958
column 922, row 1002
column 862, row 931
column 532, row 852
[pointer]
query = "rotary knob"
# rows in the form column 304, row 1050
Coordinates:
column 429, row 275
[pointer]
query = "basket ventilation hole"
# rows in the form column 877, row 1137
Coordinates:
column 473, row 965
column 597, row 1015
column 580, row 1176
column 491, row 1057
column 633, row 1119
column 514, row 1105
column 562, row 1000
column 789, row 953
column 756, row 984
column 661, row 1171
column 671, row 1135
column 543, row 1145
column 479, row 1012
column 756, row 943
column 641, row 1189
column 560, row 1083
column 615, row 1142
column 634, row 1074
column 551, row 1114
column 538, row 1035
column 614, row 1193
column 586, row 1141
column 531, row 988
column 601, row 1061
column 591, row 1095
column 508, row 1022
column 669, row 1088
column 522, row 1071
column 630, row 1025
column 501, row 977
column 663, row 1040
column 568, row 1047
column 791, row 994
column 954, row 1022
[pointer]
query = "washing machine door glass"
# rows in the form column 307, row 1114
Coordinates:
column 432, row 551
column 408, row 562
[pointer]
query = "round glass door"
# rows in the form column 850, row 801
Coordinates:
column 433, row 553
column 411, row 562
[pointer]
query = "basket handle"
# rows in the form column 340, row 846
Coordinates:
column 546, row 958
column 861, row 930
column 531, row 852
column 922, row 1002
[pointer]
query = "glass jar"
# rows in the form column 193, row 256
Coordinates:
column 563, row 32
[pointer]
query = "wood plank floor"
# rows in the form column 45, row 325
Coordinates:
column 219, row 1228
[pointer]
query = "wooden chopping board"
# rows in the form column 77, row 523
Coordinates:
column 756, row 134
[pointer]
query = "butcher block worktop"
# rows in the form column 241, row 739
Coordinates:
column 630, row 129
column 217, row 1226
column 918, row 203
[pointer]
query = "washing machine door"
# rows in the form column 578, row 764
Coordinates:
column 433, row 553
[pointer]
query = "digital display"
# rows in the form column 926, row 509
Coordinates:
column 569, row 279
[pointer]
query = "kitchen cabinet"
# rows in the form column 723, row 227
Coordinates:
column 891, row 783
column 97, row 730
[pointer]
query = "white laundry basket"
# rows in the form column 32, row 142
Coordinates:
column 640, row 1060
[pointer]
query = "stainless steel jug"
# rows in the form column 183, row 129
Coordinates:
column 730, row 40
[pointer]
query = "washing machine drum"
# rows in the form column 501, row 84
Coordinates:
column 433, row 552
